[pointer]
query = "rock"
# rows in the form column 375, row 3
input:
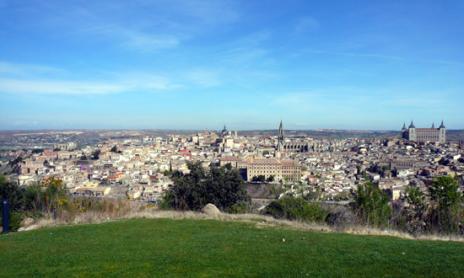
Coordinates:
column 27, row 222
column 211, row 210
column 29, row 228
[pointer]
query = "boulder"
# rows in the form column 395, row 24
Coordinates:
column 29, row 228
column 211, row 210
column 26, row 222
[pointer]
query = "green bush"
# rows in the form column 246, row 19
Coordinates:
column 372, row 205
column 296, row 209
column 239, row 208
column 15, row 220
column 445, row 204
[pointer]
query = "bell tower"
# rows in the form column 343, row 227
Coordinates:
column 280, row 137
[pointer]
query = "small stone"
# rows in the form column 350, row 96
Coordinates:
column 28, row 221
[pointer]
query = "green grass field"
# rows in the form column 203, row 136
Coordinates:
column 210, row 248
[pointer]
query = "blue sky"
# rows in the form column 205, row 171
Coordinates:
column 247, row 64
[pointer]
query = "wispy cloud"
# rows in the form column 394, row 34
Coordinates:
column 134, row 39
column 82, row 87
column 23, row 69
column 353, row 54
column 381, row 56
column 39, row 79
column 58, row 87
column 160, row 24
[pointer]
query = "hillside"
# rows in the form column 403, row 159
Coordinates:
column 154, row 247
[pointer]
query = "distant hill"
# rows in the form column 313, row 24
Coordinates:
column 209, row 248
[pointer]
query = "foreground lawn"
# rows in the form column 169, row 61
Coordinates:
column 165, row 247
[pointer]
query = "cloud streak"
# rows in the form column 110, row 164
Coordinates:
column 24, row 69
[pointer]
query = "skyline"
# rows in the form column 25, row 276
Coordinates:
column 198, row 65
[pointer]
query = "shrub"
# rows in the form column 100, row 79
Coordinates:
column 12, row 193
column 446, row 200
column 372, row 205
column 296, row 209
column 15, row 220
column 239, row 208
column 260, row 178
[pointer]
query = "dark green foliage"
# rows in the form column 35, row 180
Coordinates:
column 446, row 200
column 15, row 220
column 221, row 186
column 95, row 154
column 239, row 208
column 372, row 205
column 296, row 209
column 15, row 196
column 270, row 179
column 12, row 193
column 260, row 178
column 114, row 149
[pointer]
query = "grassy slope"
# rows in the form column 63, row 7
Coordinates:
column 212, row 248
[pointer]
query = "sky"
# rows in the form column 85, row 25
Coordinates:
column 175, row 64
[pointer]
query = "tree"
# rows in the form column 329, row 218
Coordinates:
column 95, row 154
column 260, row 178
column 446, row 199
column 372, row 205
column 270, row 178
column 221, row 186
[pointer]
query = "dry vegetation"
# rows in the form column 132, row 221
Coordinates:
column 129, row 210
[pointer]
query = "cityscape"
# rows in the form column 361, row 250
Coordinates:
column 137, row 166
column 231, row 138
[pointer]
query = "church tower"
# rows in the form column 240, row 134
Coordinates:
column 280, row 138
column 442, row 135
column 412, row 132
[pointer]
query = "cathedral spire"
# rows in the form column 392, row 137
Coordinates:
column 442, row 125
column 224, row 131
column 412, row 125
column 433, row 125
column 280, row 137
column 404, row 126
